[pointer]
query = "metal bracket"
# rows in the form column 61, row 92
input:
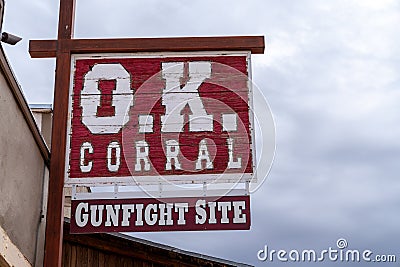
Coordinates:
column 116, row 187
column 73, row 192
column 247, row 192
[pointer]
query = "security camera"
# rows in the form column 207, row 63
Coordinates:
column 9, row 38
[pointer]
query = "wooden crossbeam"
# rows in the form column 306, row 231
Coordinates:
column 48, row 48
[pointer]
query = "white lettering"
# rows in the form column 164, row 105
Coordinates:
column 262, row 254
column 212, row 206
column 203, row 155
column 127, row 210
column 232, row 164
column 122, row 98
column 139, row 216
column 142, row 153
column 159, row 214
column 147, row 213
column 175, row 98
column 112, row 214
column 86, row 168
column 201, row 214
column 166, row 214
column 181, row 208
column 81, row 219
column 93, row 215
column 113, row 167
column 172, row 154
column 229, row 122
column 224, row 207
column 238, row 207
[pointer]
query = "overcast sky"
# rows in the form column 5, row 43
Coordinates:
column 331, row 76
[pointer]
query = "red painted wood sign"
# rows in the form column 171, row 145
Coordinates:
column 170, row 214
column 146, row 118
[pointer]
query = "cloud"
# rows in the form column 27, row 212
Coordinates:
column 331, row 77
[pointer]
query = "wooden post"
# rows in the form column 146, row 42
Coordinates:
column 55, row 203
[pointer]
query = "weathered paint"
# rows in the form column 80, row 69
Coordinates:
column 160, row 115
column 167, row 214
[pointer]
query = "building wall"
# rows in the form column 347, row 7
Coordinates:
column 43, row 115
column 22, row 172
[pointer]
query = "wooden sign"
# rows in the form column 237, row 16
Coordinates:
column 170, row 214
column 147, row 118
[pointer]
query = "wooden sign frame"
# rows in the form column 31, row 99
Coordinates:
column 62, row 48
